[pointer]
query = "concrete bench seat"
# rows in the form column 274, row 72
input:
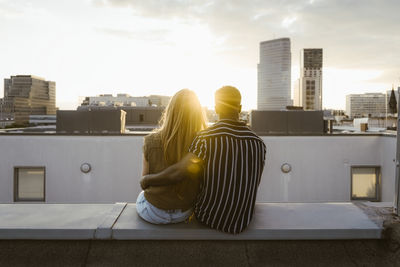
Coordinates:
column 272, row 221
column 55, row 221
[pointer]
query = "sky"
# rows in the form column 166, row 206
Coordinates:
column 143, row 47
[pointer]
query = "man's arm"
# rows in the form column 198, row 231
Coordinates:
column 145, row 167
column 188, row 166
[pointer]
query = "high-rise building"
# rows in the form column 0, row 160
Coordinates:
column 274, row 73
column 26, row 95
column 310, row 84
column 366, row 105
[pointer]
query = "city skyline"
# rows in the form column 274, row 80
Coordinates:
column 143, row 48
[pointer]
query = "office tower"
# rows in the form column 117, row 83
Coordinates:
column 26, row 95
column 366, row 105
column 310, row 91
column 274, row 72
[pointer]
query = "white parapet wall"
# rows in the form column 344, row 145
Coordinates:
column 320, row 166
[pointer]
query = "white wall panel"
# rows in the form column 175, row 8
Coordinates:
column 320, row 166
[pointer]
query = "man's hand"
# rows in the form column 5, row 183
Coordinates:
column 189, row 166
column 143, row 184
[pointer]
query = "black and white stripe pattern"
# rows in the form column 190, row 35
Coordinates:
column 234, row 159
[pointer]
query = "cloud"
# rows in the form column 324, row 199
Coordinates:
column 160, row 9
column 354, row 33
column 390, row 75
column 148, row 35
column 9, row 10
column 17, row 10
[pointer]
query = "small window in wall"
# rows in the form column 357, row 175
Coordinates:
column 141, row 117
column 29, row 184
column 365, row 182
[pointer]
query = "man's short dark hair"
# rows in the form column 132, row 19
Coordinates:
column 228, row 99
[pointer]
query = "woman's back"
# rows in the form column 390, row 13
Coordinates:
column 153, row 152
column 181, row 121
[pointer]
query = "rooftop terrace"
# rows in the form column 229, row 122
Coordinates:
column 95, row 223
column 112, row 234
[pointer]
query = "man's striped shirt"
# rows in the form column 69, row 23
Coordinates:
column 234, row 159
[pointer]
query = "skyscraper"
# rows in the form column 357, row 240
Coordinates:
column 310, row 91
column 274, row 73
column 26, row 95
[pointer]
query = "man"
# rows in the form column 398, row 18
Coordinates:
column 229, row 158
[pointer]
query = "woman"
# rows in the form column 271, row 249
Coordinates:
column 181, row 120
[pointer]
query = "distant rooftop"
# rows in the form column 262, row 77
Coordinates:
column 275, row 40
column 30, row 76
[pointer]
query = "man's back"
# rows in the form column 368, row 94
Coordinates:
column 234, row 159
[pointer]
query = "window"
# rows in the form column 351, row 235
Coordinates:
column 29, row 184
column 141, row 117
column 365, row 182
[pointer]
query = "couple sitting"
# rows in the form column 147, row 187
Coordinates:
column 213, row 172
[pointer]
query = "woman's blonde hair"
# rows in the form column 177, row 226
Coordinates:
column 181, row 120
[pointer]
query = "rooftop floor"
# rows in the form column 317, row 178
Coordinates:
column 272, row 221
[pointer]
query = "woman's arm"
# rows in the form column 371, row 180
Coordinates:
column 189, row 166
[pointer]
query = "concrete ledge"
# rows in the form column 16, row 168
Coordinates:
column 104, row 230
column 52, row 221
column 272, row 221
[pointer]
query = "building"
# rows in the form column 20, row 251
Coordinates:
column 159, row 100
column 26, row 95
column 91, row 121
column 55, row 188
column 366, row 105
column 375, row 123
column 2, row 115
column 135, row 116
column 310, row 84
column 274, row 75
column 289, row 122
column 42, row 119
column 126, row 100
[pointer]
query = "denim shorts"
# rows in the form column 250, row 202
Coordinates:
column 154, row 215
